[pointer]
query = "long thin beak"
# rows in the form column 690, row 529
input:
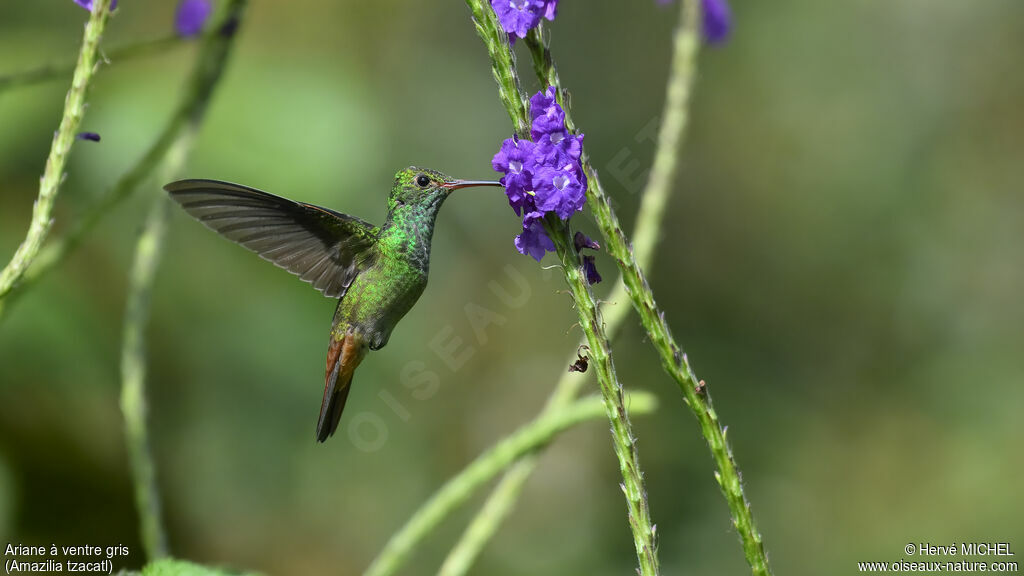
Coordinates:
column 456, row 184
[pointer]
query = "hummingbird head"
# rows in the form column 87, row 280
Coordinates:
column 424, row 187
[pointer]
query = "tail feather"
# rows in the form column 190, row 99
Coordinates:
column 342, row 358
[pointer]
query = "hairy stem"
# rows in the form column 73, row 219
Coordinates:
column 53, row 174
column 459, row 488
column 503, row 64
column 63, row 69
column 624, row 442
column 646, row 231
column 206, row 74
column 673, row 360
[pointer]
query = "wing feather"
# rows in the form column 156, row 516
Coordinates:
column 320, row 246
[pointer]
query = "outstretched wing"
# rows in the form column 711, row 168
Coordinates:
column 321, row 246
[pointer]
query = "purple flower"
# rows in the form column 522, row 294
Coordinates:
column 516, row 160
column 87, row 4
column 191, row 16
column 558, row 191
column 590, row 269
column 533, row 241
column 91, row 136
column 547, row 115
column 717, row 20
column 581, row 241
column 559, row 148
column 550, row 9
column 517, row 17
column 543, row 176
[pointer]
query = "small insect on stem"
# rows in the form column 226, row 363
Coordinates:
column 582, row 361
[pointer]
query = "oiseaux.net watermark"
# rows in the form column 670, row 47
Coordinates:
column 955, row 557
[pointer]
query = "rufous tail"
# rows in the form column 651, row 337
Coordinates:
column 342, row 358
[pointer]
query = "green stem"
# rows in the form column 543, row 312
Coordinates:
column 646, row 231
column 673, row 360
column 147, row 259
column 483, row 526
column 206, row 74
column 623, row 440
column 148, row 251
column 133, row 374
column 503, row 64
column 459, row 488
column 53, row 174
column 64, row 69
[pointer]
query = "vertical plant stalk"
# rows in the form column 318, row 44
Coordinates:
column 503, row 65
column 673, row 360
column 206, row 74
column 489, row 464
column 654, row 199
column 53, row 174
column 624, row 442
column 209, row 67
column 133, row 375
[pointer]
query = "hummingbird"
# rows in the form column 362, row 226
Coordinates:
column 376, row 273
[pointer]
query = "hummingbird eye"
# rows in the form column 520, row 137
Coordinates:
column 423, row 181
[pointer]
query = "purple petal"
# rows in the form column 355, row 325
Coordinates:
column 515, row 159
column 551, row 9
column 557, row 149
column 533, row 241
column 514, row 156
column 87, row 4
column 546, row 114
column 90, row 136
column 590, row 269
column 717, row 20
column 191, row 16
column 517, row 17
column 558, row 191
column 517, row 189
column 581, row 241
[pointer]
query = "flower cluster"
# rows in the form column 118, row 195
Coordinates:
column 518, row 17
column 189, row 19
column 543, row 175
column 717, row 19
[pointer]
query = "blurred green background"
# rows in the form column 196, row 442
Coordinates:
column 841, row 261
